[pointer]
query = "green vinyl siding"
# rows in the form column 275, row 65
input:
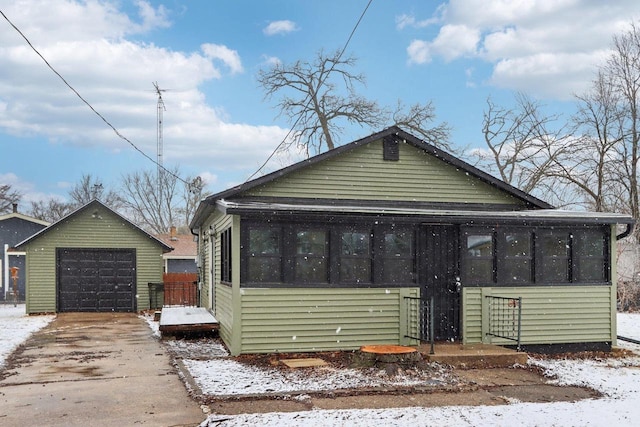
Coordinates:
column 362, row 174
column 471, row 315
column 550, row 314
column 224, row 296
column 86, row 230
column 224, row 312
column 302, row 319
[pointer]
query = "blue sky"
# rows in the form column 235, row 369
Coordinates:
column 207, row 54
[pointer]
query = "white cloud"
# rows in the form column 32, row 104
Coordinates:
column 271, row 61
column 419, row 52
column 404, row 20
column 280, row 27
column 114, row 74
column 551, row 48
column 152, row 18
column 229, row 57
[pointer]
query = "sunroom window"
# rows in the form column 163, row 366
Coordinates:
column 355, row 257
column 590, row 256
column 398, row 257
column 311, row 260
column 265, row 255
column 517, row 267
column 479, row 258
column 554, row 255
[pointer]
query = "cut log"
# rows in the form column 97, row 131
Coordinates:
column 387, row 349
column 383, row 355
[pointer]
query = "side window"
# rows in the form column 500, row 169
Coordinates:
column 478, row 254
column 264, row 255
column 311, row 256
column 355, row 256
column 225, row 256
column 590, row 256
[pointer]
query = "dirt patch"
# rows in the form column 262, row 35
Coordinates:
column 542, row 393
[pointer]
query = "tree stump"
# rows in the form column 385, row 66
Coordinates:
column 388, row 357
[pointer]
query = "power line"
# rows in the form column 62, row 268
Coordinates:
column 344, row 48
column 89, row 105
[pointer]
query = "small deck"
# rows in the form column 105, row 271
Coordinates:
column 473, row 355
column 187, row 319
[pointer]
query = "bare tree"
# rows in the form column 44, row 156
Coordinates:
column 623, row 68
column 90, row 188
column 151, row 206
column 589, row 164
column 522, row 144
column 192, row 194
column 8, row 197
column 417, row 120
column 311, row 98
column 312, row 101
column 51, row 210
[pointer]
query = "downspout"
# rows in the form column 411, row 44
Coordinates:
column 626, row 232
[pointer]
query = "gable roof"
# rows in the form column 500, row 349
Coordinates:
column 23, row 217
column 93, row 205
column 532, row 202
column 183, row 245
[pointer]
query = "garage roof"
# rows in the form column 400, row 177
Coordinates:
column 94, row 204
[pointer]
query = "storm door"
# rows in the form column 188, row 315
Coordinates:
column 440, row 279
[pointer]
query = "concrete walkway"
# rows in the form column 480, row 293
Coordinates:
column 94, row 369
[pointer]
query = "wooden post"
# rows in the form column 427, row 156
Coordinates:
column 14, row 277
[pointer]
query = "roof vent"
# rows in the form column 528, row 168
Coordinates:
column 391, row 148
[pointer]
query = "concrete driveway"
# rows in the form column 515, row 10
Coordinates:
column 94, row 369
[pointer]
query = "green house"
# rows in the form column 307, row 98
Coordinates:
column 389, row 240
column 93, row 260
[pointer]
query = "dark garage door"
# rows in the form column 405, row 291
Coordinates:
column 97, row 280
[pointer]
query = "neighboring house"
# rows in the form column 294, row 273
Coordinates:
column 91, row 260
column 183, row 257
column 14, row 228
column 331, row 253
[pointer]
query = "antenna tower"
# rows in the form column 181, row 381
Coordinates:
column 160, row 141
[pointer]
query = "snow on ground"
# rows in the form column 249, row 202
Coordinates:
column 233, row 378
column 16, row 326
column 617, row 379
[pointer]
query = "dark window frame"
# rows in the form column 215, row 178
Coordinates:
column 466, row 258
column 366, row 259
column 382, row 260
column 333, row 257
column 503, row 258
column 540, row 272
column 543, row 260
column 225, row 256
column 579, row 258
column 292, row 274
column 271, row 261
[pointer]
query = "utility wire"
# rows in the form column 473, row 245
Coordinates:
column 344, row 48
column 89, row 105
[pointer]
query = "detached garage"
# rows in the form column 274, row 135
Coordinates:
column 93, row 260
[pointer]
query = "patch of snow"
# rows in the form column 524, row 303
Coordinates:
column 228, row 377
column 617, row 379
column 16, row 327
